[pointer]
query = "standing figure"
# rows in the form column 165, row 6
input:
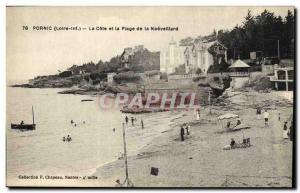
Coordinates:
column 198, row 114
column 232, row 143
column 291, row 131
column 187, row 130
column 182, row 134
column 258, row 112
column 132, row 121
column 126, row 120
column 278, row 116
column 142, row 123
column 228, row 124
column 285, row 131
column 266, row 117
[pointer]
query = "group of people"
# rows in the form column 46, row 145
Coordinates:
column 133, row 120
column 74, row 124
column 67, row 139
column 185, row 127
column 238, row 122
column 288, row 132
column 265, row 115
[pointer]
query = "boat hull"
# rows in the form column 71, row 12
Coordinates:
column 23, row 126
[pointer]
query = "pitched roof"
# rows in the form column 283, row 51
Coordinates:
column 239, row 64
column 200, row 45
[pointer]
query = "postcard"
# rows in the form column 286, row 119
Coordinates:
column 145, row 97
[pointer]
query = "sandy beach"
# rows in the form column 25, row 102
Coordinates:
column 200, row 160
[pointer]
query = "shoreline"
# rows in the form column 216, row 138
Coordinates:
column 203, row 154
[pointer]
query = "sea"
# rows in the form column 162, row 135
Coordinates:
column 94, row 143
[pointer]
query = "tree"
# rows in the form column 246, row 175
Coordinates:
column 198, row 71
column 186, row 41
column 260, row 33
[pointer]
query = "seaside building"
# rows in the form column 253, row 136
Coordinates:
column 239, row 74
column 110, row 77
column 267, row 66
column 128, row 53
column 171, row 58
column 283, row 78
column 202, row 54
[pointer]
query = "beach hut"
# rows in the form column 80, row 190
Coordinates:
column 230, row 116
column 239, row 74
column 227, row 117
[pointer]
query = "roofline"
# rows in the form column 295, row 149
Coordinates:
column 217, row 41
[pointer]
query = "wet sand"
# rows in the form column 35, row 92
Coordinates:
column 200, row 161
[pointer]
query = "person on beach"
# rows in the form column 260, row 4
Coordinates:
column 291, row 131
column 114, row 129
column 285, row 134
column 228, row 125
column 69, row 138
column 266, row 117
column 232, row 143
column 258, row 112
column 142, row 123
column 72, row 121
column 118, row 183
column 126, row 120
column 238, row 122
column 198, row 114
column 278, row 116
column 22, row 122
column 187, row 129
column 230, row 146
column 132, row 121
column 182, row 133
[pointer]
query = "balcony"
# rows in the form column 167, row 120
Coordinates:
column 239, row 74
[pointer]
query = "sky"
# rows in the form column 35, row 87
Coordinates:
column 30, row 53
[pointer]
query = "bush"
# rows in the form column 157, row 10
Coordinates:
column 226, row 81
column 65, row 74
column 260, row 82
column 198, row 71
column 98, row 76
column 126, row 77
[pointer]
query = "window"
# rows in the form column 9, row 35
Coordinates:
column 281, row 75
column 291, row 74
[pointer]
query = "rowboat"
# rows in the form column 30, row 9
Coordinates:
column 85, row 100
column 23, row 126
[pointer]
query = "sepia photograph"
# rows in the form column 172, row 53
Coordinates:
column 150, row 96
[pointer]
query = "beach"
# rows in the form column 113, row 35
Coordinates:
column 94, row 142
column 200, row 161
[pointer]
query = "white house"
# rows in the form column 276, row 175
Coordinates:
column 200, row 55
column 171, row 58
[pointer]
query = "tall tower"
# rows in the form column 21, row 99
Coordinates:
column 172, row 56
